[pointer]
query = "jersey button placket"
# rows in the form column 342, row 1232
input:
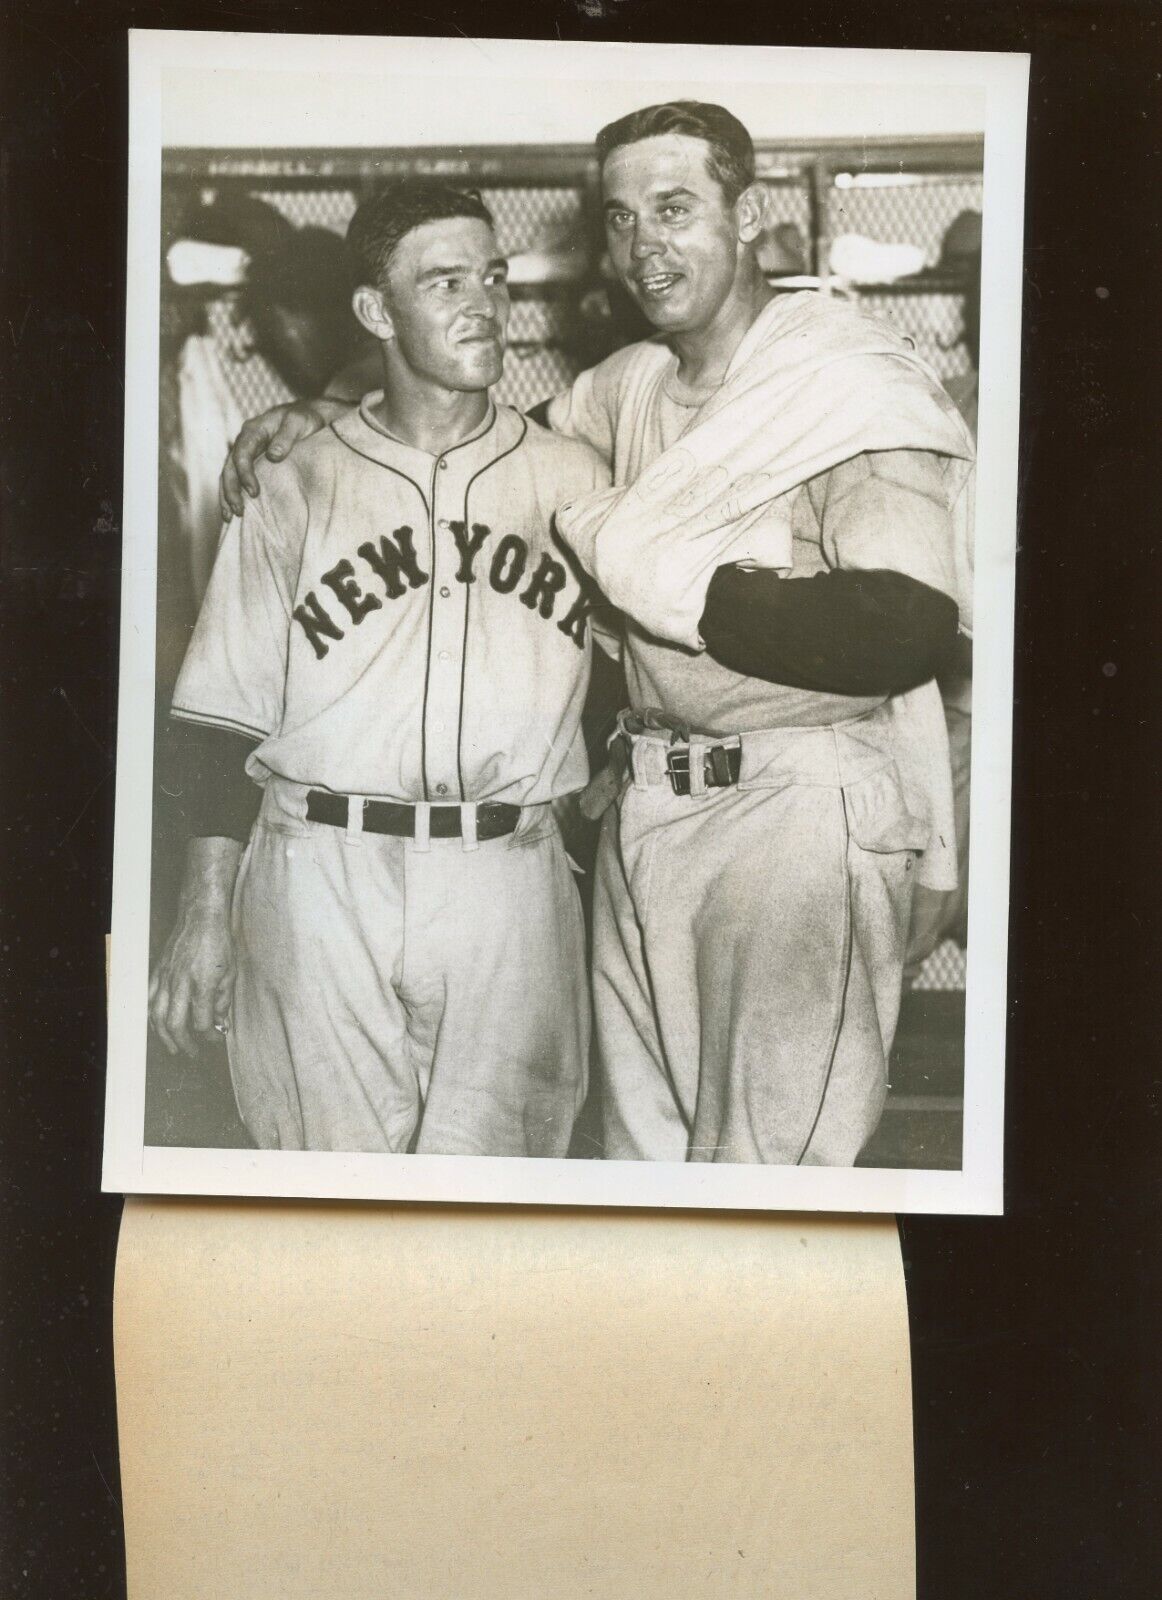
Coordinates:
column 444, row 526
column 447, row 642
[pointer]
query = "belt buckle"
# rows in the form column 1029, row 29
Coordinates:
column 716, row 766
column 678, row 768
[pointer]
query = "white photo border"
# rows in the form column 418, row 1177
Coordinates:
column 130, row 1166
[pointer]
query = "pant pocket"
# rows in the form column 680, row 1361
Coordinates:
column 878, row 817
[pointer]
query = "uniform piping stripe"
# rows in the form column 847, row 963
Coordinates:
column 463, row 672
column 428, row 651
column 185, row 714
column 496, row 460
column 847, row 955
column 475, row 439
column 386, row 467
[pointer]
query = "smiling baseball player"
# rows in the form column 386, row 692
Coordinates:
column 783, row 542
column 398, row 652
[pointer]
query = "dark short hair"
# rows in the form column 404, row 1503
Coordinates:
column 393, row 211
column 730, row 150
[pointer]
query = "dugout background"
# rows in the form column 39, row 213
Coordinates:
column 567, row 313
column 546, row 201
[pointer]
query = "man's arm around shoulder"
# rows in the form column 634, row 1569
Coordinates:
column 587, row 410
column 271, row 437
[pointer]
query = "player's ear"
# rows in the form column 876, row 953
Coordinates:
column 371, row 310
column 750, row 209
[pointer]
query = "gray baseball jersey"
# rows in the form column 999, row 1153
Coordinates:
column 394, row 625
column 391, row 623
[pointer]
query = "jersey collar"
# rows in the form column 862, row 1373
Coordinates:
column 361, row 432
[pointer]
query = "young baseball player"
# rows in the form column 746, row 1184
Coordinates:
column 787, row 539
column 396, row 651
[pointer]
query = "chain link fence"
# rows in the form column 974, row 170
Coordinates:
column 535, row 218
column 789, row 202
column 554, row 225
column 934, row 322
column 944, row 969
column 913, row 209
column 312, row 208
column 901, row 208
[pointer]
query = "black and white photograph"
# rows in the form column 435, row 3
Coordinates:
column 567, row 623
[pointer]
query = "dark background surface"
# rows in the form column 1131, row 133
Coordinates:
column 1035, row 1335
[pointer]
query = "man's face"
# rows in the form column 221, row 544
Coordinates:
column 447, row 296
column 673, row 238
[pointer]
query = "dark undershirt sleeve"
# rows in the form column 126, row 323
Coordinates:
column 839, row 632
column 204, row 771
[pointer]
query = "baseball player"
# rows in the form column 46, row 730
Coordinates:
column 755, row 875
column 395, row 650
column 786, row 539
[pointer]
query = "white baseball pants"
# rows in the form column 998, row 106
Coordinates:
column 392, row 997
column 748, row 948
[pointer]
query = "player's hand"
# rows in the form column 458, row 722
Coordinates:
column 191, row 987
column 274, row 435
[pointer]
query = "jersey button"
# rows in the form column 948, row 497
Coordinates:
column 441, row 788
column 442, row 464
column 444, row 656
column 445, row 592
column 443, row 523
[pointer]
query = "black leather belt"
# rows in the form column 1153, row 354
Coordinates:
column 722, row 763
column 494, row 818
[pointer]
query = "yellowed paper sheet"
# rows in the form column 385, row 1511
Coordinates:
column 349, row 1403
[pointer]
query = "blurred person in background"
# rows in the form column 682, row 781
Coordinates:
column 251, row 302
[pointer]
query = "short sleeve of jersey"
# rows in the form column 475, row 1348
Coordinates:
column 605, row 625
column 586, row 411
column 234, row 672
column 604, row 622
column 888, row 509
